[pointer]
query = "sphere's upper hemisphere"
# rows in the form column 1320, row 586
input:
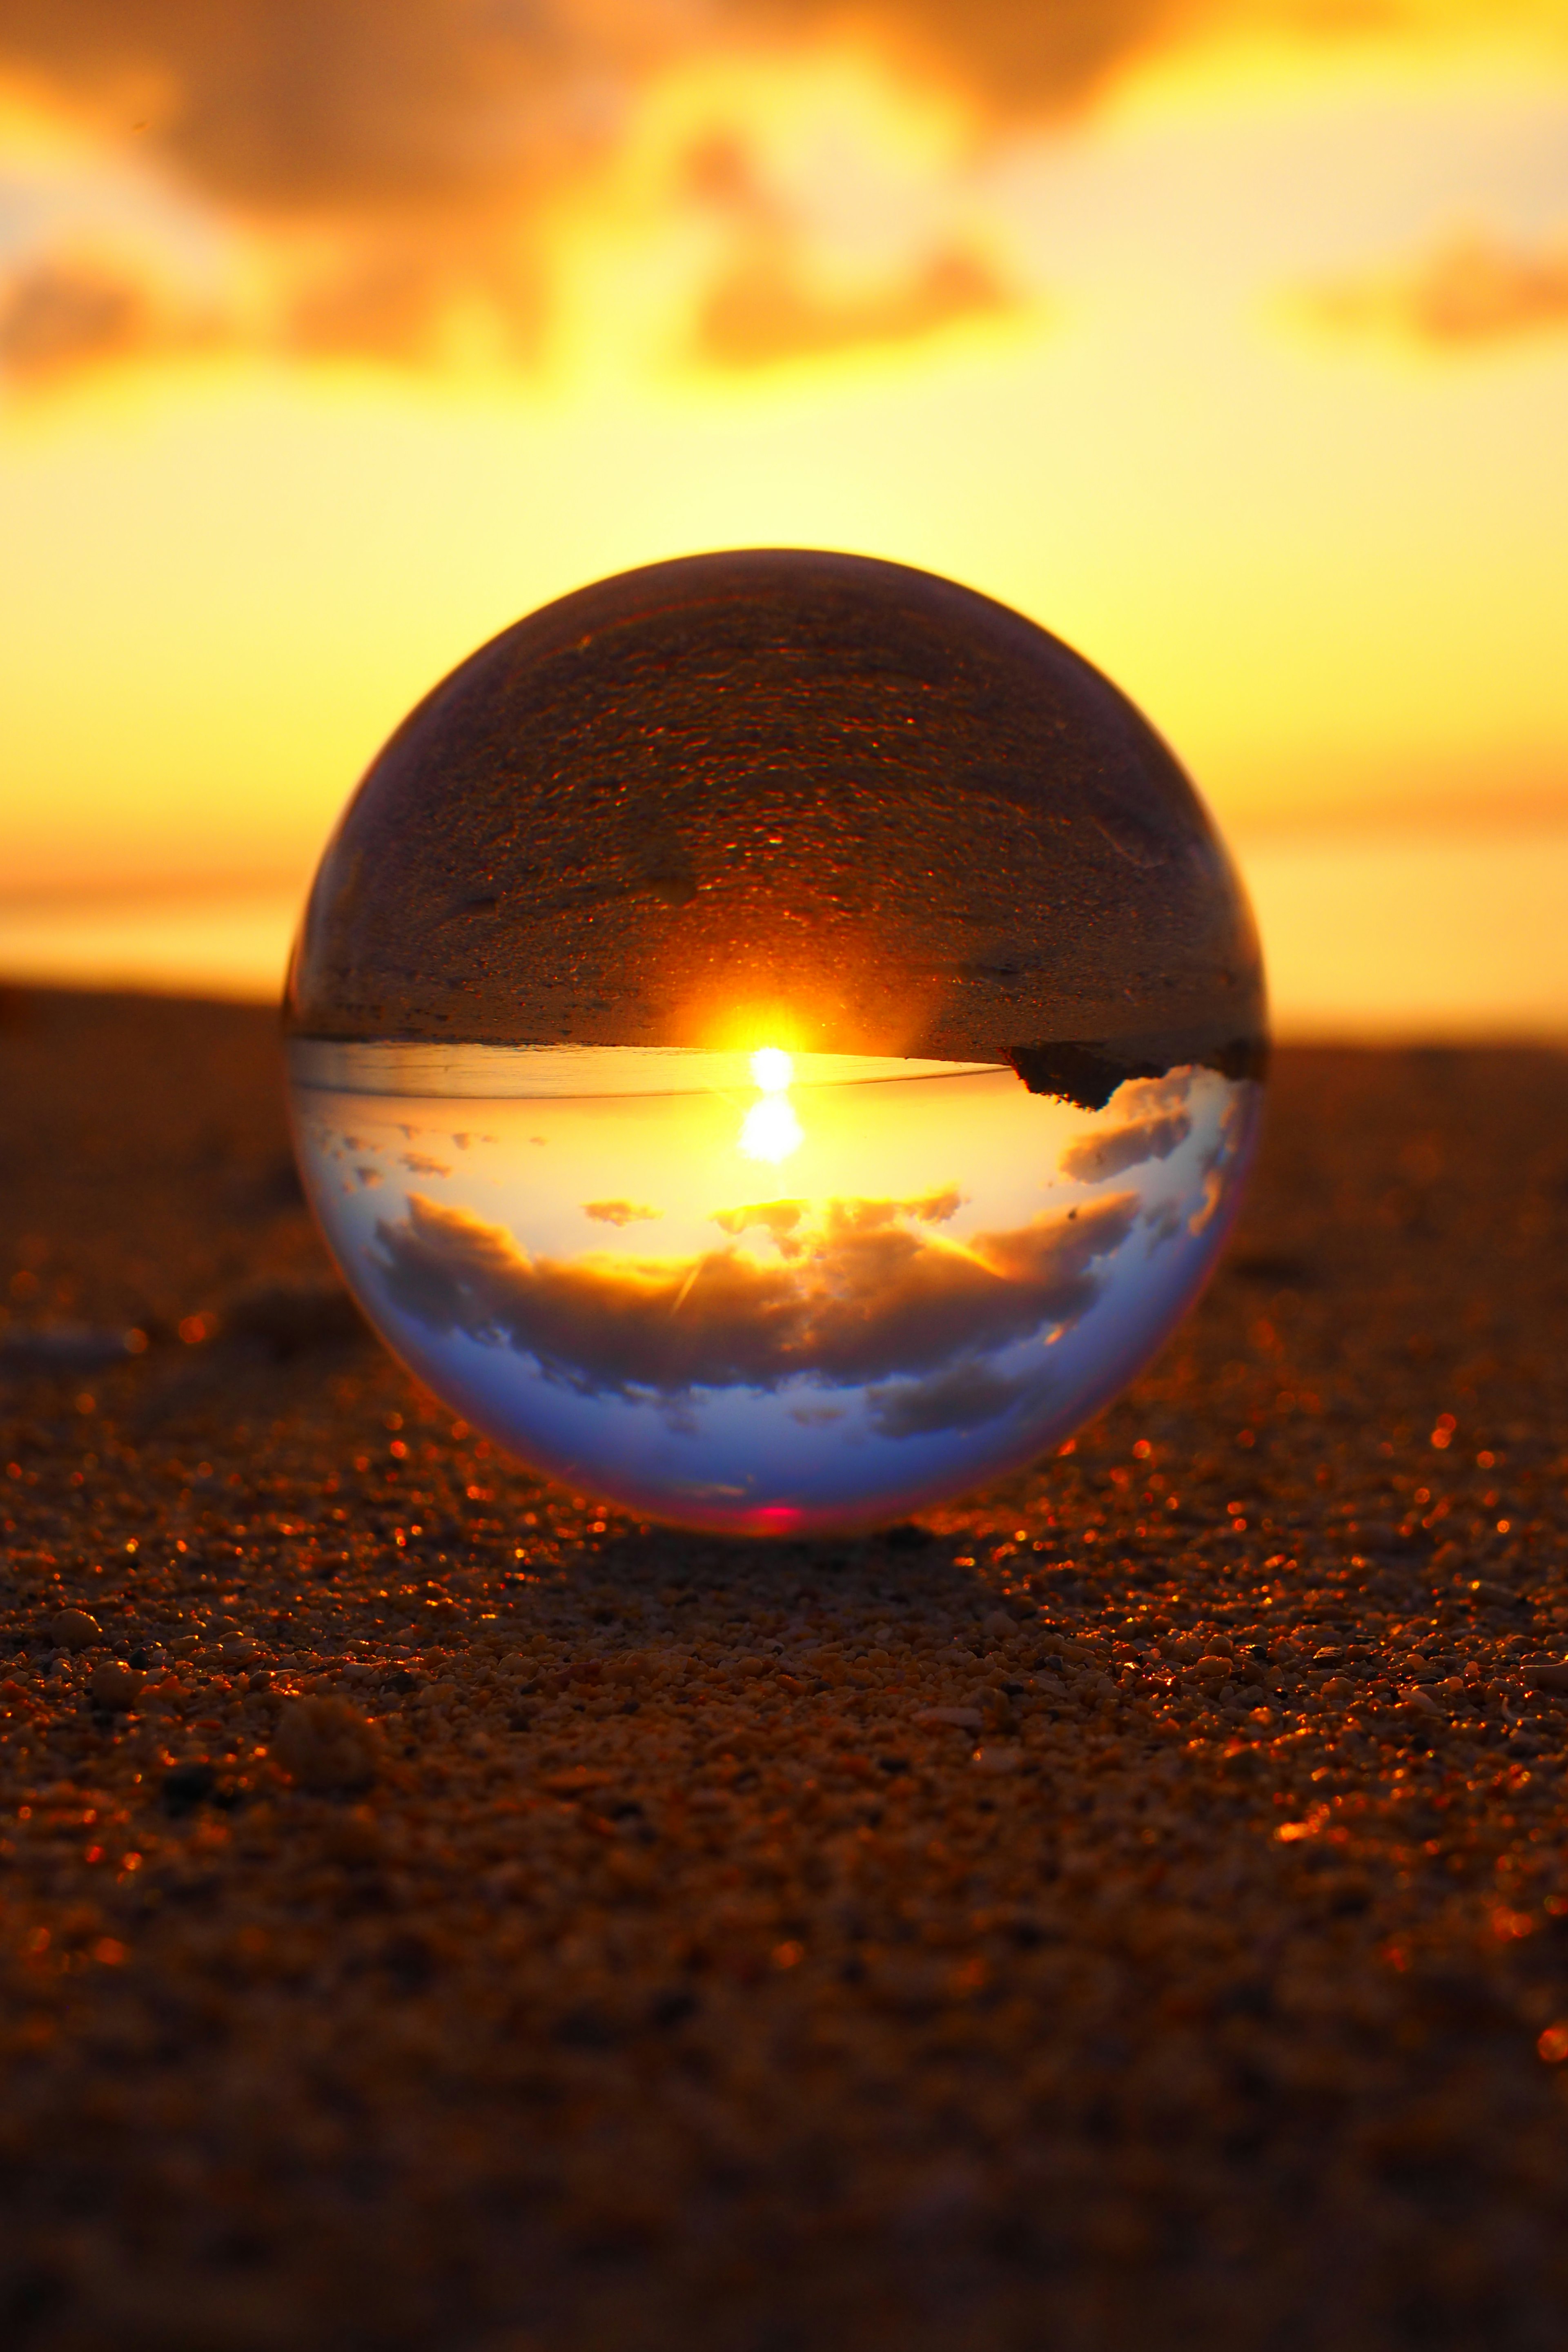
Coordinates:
column 902, row 815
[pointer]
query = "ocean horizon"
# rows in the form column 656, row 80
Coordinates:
column 1376, row 934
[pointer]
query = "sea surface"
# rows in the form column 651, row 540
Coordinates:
column 1404, row 932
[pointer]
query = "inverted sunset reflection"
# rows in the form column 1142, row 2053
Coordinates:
column 585, row 1253
column 771, row 1131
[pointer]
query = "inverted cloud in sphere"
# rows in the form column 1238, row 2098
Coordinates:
column 964, row 1395
column 860, row 1303
column 1093, row 1157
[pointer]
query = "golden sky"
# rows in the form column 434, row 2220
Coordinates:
column 1229, row 341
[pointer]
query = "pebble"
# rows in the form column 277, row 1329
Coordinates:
column 115, row 1687
column 73, row 1628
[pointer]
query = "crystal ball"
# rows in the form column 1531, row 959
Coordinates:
column 775, row 1041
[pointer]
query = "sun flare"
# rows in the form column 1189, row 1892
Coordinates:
column 772, row 1069
column 770, row 1129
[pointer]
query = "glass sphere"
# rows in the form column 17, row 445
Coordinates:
column 775, row 1041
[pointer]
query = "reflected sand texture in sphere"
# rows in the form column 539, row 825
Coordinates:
column 764, row 1293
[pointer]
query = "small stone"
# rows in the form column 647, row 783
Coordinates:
column 997, row 1760
column 239, row 1650
column 115, row 1687
column 323, row 1744
column 73, row 1628
column 1552, row 1679
column 963, row 1718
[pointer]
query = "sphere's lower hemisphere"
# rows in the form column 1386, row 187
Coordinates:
column 916, row 1284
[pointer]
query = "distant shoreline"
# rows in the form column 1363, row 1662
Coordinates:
column 1440, row 932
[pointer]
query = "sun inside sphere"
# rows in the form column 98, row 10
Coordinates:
column 775, row 1040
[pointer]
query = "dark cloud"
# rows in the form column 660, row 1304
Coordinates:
column 1471, row 292
column 864, row 1299
column 416, row 107
column 1093, row 1157
column 390, row 155
column 964, row 1395
column 320, row 107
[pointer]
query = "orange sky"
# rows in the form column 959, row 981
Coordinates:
column 1228, row 340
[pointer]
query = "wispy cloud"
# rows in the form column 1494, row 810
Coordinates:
column 767, row 310
column 619, row 1212
column 1094, row 1157
column 1471, row 292
column 67, row 312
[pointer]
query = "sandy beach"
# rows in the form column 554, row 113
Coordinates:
column 1125, row 1910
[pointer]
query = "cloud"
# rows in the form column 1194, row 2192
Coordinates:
column 865, row 1299
column 1471, row 292
column 390, row 171
column 780, row 1218
column 66, row 313
column 964, row 1395
column 1093, row 1157
column 766, row 310
column 619, row 1213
